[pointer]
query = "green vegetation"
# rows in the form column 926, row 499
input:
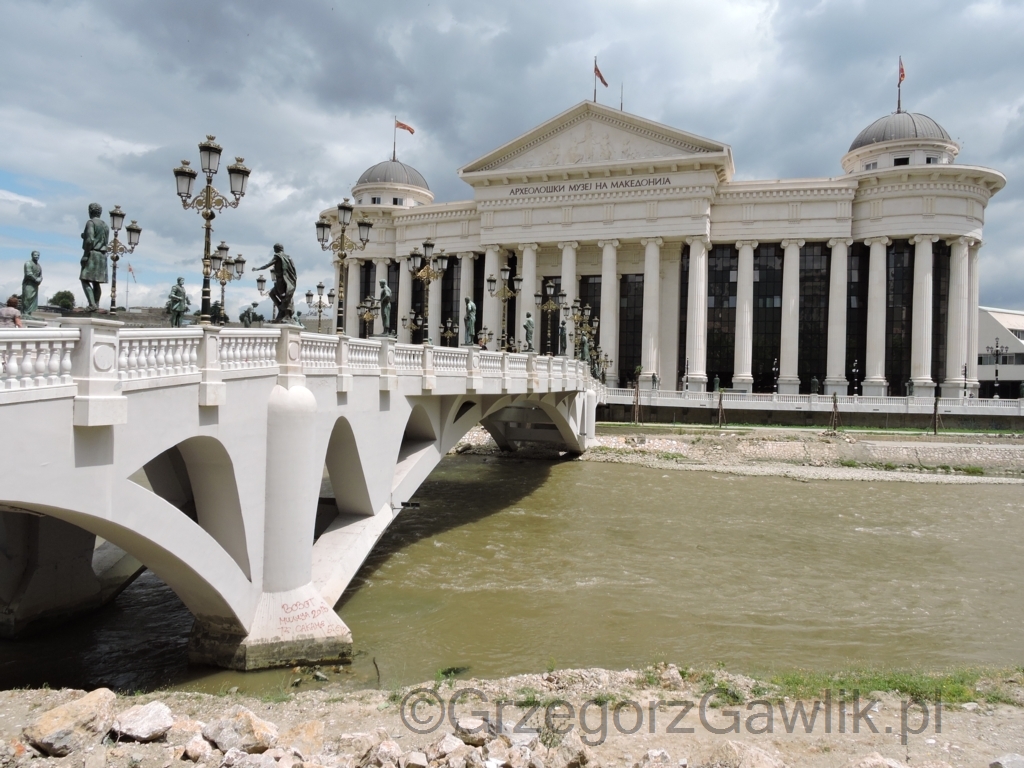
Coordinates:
column 647, row 677
column 605, row 698
column 954, row 687
column 527, row 697
column 848, row 463
column 977, row 471
column 63, row 299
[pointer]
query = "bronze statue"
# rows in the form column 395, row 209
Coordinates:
column 528, row 327
column 561, row 338
column 470, row 321
column 95, row 238
column 585, row 348
column 814, row 385
column 283, row 269
column 385, row 307
column 30, row 285
column 178, row 302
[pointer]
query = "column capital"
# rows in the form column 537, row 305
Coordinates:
column 532, row 246
column 880, row 240
column 924, row 239
column 969, row 242
column 847, row 241
column 644, row 241
column 569, row 244
column 797, row 243
column 491, row 247
column 603, row 243
column 751, row 243
column 463, row 255
column 699, row 239
column 380, row 259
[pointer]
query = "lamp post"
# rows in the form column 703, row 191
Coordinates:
column 209, row 201
column 319, row 301
column 426, row 268
column 484, row 336
column 580, row 316
column 504, row 294
column 551, row 304
column 449, row 332
column 963, row 370
column 997, row 351
column 225, row 269
column 775, row 375
column 118, row 249
column 341, row 246
column 854, row 373
column 417, row 322
column 368, row 309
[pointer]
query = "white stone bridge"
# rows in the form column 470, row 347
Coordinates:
column 199, row 453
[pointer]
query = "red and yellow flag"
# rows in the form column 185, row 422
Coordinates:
column 403, row 126
column 598, row 75
column 903, row 75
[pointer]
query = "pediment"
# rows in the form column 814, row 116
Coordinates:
column 591, row 134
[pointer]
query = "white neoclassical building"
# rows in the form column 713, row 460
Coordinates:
column 865, row 282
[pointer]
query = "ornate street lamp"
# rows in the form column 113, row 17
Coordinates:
column 341, row 246
column 484, row 336
column 504, row 294
column 210, row 201
column 224, row 269
column 775, row 375
column 997, row 351
column 427, row 268
column 580, row 316
column 118, row 249
column 368, row 310
column 854, row 372
column 319, row 302
column 449, row 332
column 550, row 305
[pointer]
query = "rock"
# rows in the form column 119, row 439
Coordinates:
column 671, row 679
column 754, row 757
column 388, row 752
column 183, row 730
column 198, row 749
column 1010, row 760
column 653, row 757
column 444, row 746
column 970, row 706
column 241, row 729
column 415, row 760
column 473, row 730
column 232, row 690
column 233, row 757
column 571, row 753
column 320, row 676
column 496, row 751
column 73, row 726
column 147, row 722
column 95, row 757
column 306, row 739
column 875, row 760
column 360, row 743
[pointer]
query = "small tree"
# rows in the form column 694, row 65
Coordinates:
column 63, row 299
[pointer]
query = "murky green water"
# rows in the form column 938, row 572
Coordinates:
column 509, row 566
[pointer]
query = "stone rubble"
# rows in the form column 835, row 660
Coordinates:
column 146, row 722
column 73, row 726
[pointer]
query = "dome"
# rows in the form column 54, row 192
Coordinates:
column 900, row 125
column 393, row 172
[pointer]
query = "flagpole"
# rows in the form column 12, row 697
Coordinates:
column 620, row 96
column 394, row 140
column 595, row 79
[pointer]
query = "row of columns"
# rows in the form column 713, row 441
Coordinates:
column 961, row 338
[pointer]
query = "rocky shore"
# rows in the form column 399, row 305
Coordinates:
column 656, row 717
column 802, row 454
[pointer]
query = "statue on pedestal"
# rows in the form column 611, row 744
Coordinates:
column 528, row 327
column 561, row 338
column 30, row 285
column 95, row 238
column 245, row 318
column 385, row 307
column 814, row 385
column 717, row 383
column 283, row 269
column 585, row 348
column 469, row 320
column 178, row 302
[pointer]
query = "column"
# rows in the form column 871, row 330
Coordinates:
column 404, row 298
column 789, row 348
column 652, row 310
column 381, row 274
column 466, row 290
column 697, row 313
column 972, row 317
column 352, row 298
column 668, row 341
column 569, row 286
column 526, row 302
column 958, row 321
column 609, row 328
column 434, row 318
column 874, row 363
column 491, row 315
column 339, row 302
column 921, row 323
column 835, row 361
column 742, row 378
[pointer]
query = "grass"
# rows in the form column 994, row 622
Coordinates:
column 848, row 463
column 648, row 677
column 976, row 471
column 527, row 697
column 955, row 687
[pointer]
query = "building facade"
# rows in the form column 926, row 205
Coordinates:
column 865, row 282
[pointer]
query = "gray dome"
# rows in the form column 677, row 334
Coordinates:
column 394, row 172
column 900, row 125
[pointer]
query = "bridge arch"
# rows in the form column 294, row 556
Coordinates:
column 345, row 469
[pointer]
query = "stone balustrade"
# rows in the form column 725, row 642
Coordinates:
column 37, row 358
column 152, row 354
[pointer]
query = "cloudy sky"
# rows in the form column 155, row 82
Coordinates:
column 102, row 99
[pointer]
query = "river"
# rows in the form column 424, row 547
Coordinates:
column 512, row 566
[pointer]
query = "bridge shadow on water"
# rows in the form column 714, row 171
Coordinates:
column 460, row 491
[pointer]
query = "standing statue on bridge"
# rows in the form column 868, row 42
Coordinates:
column 561, row 338
column 283, row 269
column 178, row 302
column 585, row 348
column 385, row 307
column 245, row 317
column 528, row 327
column 30, row 285
column 95, row 238
column 469, row 320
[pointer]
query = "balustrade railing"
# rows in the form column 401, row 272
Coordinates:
column 490, row 363
column 319, row 351
column 409, row 357
column 363, row 353
column 449, row 360
column 247, row 348
column 36, row 358
column 149, row 354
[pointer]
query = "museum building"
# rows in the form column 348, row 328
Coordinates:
column 865, row 282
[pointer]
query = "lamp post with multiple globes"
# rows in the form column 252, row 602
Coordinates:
column 504, row 294
column 118, row 249
column 225, row 269
column 341, row 246
column 318, row 301
column 552, row 304
column 996, row 351
column 426, row 268
column 580, row 316
column 209, row 201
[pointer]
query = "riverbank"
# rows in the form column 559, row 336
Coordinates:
column 558, row 719
column 801, row 454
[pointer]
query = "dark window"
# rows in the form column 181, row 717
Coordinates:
column 723, row 261
column 374, row 201
column 940, row 309
column 767, row 315
column 901, row 161
column 813, row 335
column 631, row 322
column 393, row 273
column 511, row 330
column 478, row 293
column 684, row 303
column 856, row 314
column 417, row 308
column 450, row 287
column 931, row 160
column 547, row 322
column 397, row 201
column 899, row 298
column 590, row 293
column 367, row 273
